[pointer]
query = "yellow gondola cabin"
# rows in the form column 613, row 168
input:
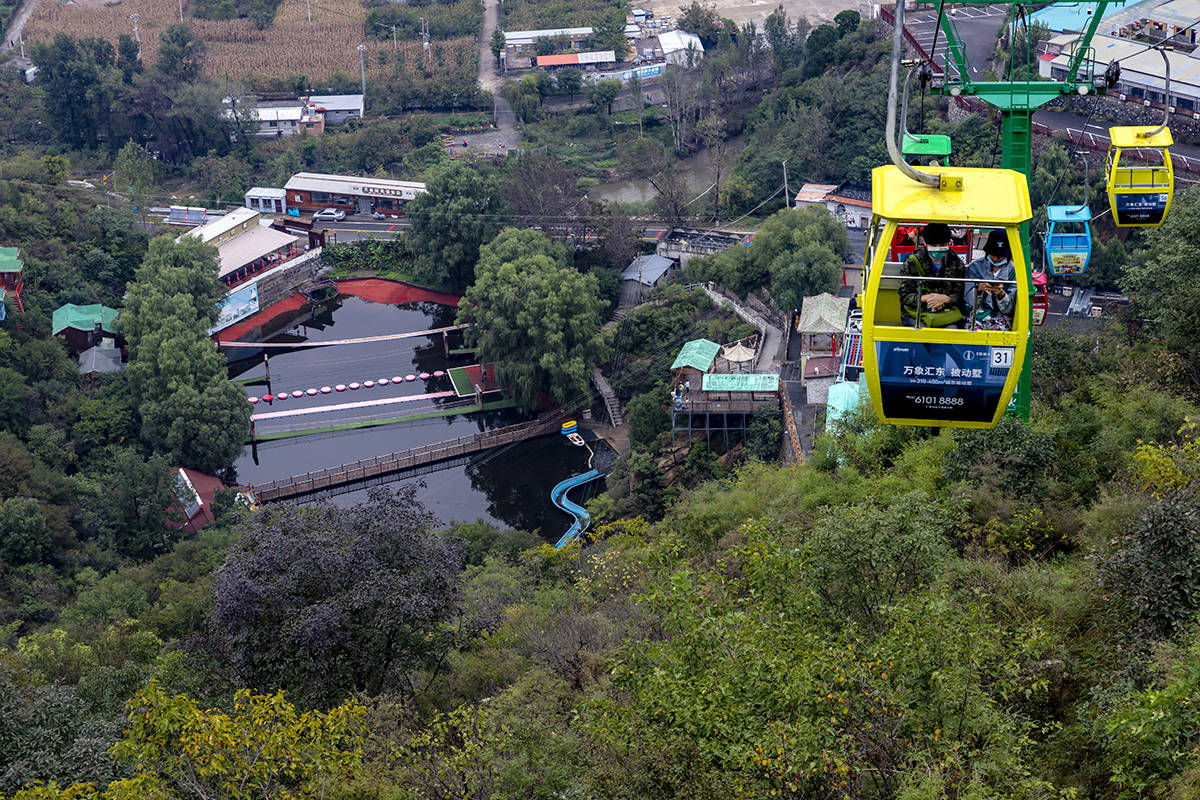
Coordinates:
column 1139, row 192
column 953, row 377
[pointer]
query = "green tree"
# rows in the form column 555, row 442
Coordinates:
column 332, row 601
column 172, row 273
column 189, row 408
column 81, row 87
column 602, row 94
column 459, row 211
column 1164, row 280
column 702, row 20
column 262, row 748
column 608, row 31
column 796, row 253
column 764, row 435
column 181, row 54
column 1156, row 564
column 496, row 44
column 128, row 59
column 132, row 502
column 178, row 380
column 224, row 178
column 648, row 416
column 538, row 320
column 847, row 21
column 569, row 81
column 639, row 106
column 56, row 169
column 24, row 538
column 136, row 170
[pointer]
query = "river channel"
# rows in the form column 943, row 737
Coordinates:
column 506, row 486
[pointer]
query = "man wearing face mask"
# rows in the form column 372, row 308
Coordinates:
column 991, row 303
column 937, row 303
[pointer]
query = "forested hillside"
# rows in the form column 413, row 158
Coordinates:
column 910, row 614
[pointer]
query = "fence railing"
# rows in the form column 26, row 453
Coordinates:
column 404, row 459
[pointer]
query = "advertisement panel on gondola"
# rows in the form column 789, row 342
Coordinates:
column 1140, row 209
column 950, row 382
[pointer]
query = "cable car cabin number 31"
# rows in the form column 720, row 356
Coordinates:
column 962, row 374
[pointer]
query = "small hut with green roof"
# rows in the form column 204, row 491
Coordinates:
column 84, row 326
column 11, row 278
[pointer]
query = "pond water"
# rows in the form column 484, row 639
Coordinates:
column 696, row 170
column 507, row 486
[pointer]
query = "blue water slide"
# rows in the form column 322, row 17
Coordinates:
column 559, row 496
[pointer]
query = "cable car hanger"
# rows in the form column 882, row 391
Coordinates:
column 929, row 179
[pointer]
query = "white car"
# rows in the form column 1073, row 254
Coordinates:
column 329, row 215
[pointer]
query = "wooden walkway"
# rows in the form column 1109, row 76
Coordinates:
column 402, row 460
column 611, row 405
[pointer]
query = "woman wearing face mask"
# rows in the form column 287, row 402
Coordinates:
column 991, row 304
column 937, row 303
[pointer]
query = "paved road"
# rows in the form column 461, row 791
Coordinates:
column 488, row 81
column 977, row 28
column 13, row 34
column 362, row 227
column 355, row 228
column 1061, row 121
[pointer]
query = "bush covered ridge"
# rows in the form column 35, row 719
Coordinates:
column 1007, row 613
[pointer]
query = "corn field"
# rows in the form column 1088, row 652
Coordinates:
column 236, row 48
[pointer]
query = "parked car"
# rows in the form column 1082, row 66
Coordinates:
column 329, row 215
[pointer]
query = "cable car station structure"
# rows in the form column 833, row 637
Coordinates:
column 980, row 198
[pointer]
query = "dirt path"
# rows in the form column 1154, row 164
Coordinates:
column 488, row 80
column 13, row 34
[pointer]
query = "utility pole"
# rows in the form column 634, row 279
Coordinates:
column 393, row 38
column 137, row 36
column 180, row 12
column 787, row 193
column 308, row 7
column 425, row 40
column 362, row 65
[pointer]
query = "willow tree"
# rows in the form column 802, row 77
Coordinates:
column 538, row 319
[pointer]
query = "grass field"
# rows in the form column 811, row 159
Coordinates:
column 291, row 46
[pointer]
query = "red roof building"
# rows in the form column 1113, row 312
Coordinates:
column 194, row 492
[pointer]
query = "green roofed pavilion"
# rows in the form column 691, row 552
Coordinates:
column 84, row 318
column 698, row 354
column 10, row 259
column 741, row 382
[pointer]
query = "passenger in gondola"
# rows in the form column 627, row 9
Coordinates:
column 936, row 303
column 989, row 303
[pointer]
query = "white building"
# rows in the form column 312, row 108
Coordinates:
column 681, row 47
column 337, row 108
column 1141, row 70
column 267, row 200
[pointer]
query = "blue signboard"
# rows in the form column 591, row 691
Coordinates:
column 235, row 306
column 951, row 382
column 1140, row 209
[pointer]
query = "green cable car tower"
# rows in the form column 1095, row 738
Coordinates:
column 1016, row 101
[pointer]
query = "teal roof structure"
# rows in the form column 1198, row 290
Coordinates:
column 697, row 354
column 843, row 400
column 741, row 382
column 83, row 318
column 10, row 259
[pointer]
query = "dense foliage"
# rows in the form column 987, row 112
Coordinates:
column 538, row 319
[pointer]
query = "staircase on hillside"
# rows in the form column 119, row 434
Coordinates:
column 610, row 398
